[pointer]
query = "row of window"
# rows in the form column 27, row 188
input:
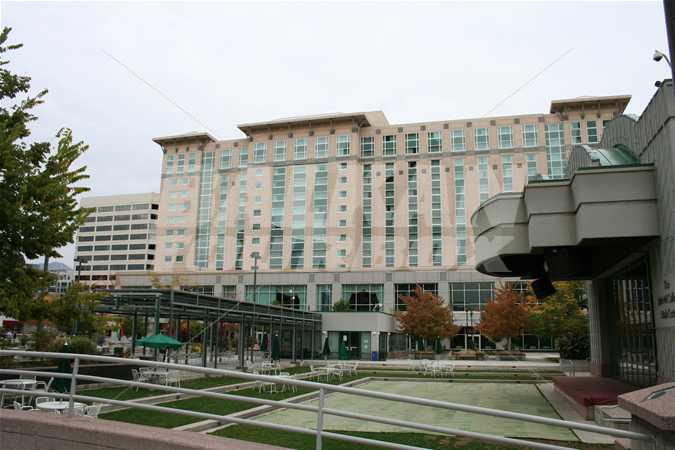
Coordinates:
column 114, row 247
column 116, row 267
column 411, row 144
column 120, row 218
column 120, row 227
column 464, row 296
column 135, row 207
column 114, row 237
column 117, row 257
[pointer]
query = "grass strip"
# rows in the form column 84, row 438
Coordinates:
column 124, row 393
column 204, row 404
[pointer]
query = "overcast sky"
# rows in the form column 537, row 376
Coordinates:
column 231, row 63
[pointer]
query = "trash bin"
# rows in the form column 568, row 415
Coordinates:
column 373, row 356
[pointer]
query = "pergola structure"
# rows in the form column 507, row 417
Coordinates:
column 177, row 306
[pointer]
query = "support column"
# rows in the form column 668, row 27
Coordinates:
column 133, row 333
column 293, row 344
column 145, row 330
column 242, row 336
column 313, row 338
column 205, row 341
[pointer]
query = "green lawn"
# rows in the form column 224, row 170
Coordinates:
column 125, row 393
column 201, row 404
column 306, row 442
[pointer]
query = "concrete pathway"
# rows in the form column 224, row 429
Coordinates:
column 567, row 412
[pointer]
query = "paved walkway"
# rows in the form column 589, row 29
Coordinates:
column 567, row 412
column 524, row 398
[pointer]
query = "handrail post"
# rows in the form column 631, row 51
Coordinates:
column 73, row 387
column 319, row 418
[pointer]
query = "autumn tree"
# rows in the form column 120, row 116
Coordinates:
column 426, row 316
column 561, row 314
column 506, row 316
column 38, row 205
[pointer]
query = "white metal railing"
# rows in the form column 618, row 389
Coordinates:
column 320, row 410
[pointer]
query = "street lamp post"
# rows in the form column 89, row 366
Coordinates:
column 256, row 257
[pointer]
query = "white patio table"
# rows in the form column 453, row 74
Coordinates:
column 18, row 383
column 59, row 406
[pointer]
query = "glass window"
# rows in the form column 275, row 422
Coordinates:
column 259, row 152
column 458, row 142
column 412, row 143
column 507, row 172
column 505, row 137
column 592, row 131
column 324, row 297
column 321, row 150
column 192, row 162
column 363, row 297
column 226, row 159
column 389, row 145
column 460, row 213
column 554, row 137
column 408, row 290
column 343, row 143
column 531, row 166
column 367, row 146
column 434, row 142
column 481, row 137
column 529, row 135
column 243, row 157
column 389, row 214
column 436, row 214
column 180, row 168
column 280, row 151
column 169, row 164
column 471, row 297
column 484, row 178
column 290, row 296
column 319, row 214
column 412, row 214
column 300, row 149
column 576, row 132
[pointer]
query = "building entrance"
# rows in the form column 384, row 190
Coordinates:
column 633, row 349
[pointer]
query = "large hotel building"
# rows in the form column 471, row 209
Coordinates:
column 348, row 207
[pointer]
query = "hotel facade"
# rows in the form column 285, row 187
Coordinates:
column 350, row 208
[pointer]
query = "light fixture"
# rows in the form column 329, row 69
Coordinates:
column 658, row 55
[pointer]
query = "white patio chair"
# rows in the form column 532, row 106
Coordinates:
column 92, row 411
column 19, row 407
column 172, row 378
column 39, row 400
column 44, row 386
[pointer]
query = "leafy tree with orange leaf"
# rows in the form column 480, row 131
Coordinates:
column 426, row 316
column 505, row 316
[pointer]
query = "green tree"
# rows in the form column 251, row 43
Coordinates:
column 561, row 314
column 74, row 311
column 38, row 206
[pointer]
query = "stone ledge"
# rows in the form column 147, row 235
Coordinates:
column 38, row 430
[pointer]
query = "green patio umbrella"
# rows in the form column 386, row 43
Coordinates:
column 64, row 366
column 276, row 350
column 344, row 353
column 160, row 341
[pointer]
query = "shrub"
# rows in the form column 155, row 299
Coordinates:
column 572, row 346
column 84, row 345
